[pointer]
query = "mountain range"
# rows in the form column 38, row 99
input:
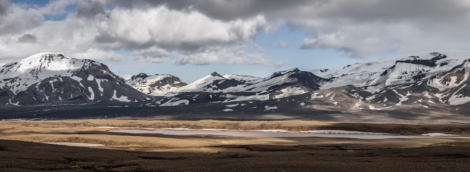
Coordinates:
column 431, row 84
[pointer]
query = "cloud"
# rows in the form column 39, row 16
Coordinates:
column 152, row 34
column 89, row 9
column 273, row 27
column 280, row 44
column 359, row 28
column 257, row 48
column 16, row 19
column 56, row 7
column 3, row 6
column 153, row 54
column 226, row 10
column 226, row 55
column 98, row 54
column 363, row 28
column 27, row 38
column 20, row 18
column 354, row 44
column 222, row 31
column 172, row 30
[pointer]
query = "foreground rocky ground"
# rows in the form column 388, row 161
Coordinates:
column 23, row 148
column 28, row 156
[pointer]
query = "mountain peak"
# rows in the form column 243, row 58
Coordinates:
column 290, row 70
column 140, row 75
column 39, row 65
column 45, row 56
column 216, row 74
column 276, row 74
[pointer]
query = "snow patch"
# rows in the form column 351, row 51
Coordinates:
column 290, row 91
column 402, row 97
column 267, row 108
column 232, row 105
column 314, row 96
column 92, row 96
column 121, row 99
column 76, row 78
column 236, row 98
column 175, row 102
column 90, row 78
column 460, row 98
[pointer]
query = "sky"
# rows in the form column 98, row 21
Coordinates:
column 193, row 38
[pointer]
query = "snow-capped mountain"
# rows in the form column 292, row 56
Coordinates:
column 422, row 84
column 427, row 84
column 215, row 88
column 155, row 85
column 401, row 69
column 431, row 82
column 452, row 86
column 285, row 82
column 53, row 78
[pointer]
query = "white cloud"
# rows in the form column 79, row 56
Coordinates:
column 98, row 54
column 149, row 34
column 358, row 28
column 170, row 29
column 363, row 28
column 363, row 40
column 57, row 7
column 225, row 55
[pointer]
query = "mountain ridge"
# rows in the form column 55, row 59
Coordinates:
column 417, row 85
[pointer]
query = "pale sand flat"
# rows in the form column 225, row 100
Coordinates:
column 75, row 144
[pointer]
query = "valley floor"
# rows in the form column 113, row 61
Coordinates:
column 26, row 146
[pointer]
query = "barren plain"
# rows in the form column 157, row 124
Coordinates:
column 32, row 146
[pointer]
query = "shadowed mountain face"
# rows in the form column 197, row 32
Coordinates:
column 51, row 78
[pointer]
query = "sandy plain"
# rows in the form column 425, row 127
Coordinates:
column 26, row 146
